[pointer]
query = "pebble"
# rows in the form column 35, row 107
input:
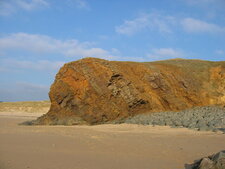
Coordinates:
column 208, row 118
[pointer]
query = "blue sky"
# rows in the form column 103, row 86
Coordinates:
column 38, row 36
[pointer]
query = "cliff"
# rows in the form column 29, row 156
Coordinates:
column 94, row 91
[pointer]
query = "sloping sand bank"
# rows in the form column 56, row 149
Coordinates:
column 123, row 146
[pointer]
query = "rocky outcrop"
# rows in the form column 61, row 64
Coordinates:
column 216, row 161
column 96, row 91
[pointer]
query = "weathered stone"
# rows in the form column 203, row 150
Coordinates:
column 96, row 91
column 219, row 160
column 206, row 163
column 216, row 161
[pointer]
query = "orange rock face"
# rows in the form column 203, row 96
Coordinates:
column 96, row 91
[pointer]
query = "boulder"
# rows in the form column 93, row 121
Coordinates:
column 216, row 161
column 95, row 91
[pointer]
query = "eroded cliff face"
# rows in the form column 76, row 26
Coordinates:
column 95, row 91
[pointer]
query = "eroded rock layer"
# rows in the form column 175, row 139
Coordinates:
column 95, row 91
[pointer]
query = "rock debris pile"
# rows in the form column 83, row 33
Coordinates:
column 200, row 118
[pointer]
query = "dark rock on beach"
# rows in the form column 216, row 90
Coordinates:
column 216, row 161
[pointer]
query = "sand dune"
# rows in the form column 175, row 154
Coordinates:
column 123, row 146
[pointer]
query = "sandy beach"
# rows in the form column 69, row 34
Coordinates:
column 122, row 146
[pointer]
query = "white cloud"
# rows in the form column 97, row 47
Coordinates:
column 219, row 52
column 40, row 65
column 33, row 4
column 166, row 24
column 197, row 26
column 165, row 53
column 152, row 21
column 87, row 52
column 133, row 58
column 81, row 4
column 8, row 7
column 212, row 9
column 133, row 26
column 45, row 44
column 115, row 51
